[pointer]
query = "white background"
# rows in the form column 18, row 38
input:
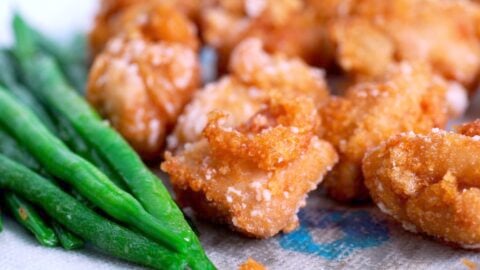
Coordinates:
column 58, row 18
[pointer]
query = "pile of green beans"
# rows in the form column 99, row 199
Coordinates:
column 56, row 152
column 35, row 224
column 99, row 231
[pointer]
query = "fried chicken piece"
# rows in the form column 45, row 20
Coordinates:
column 443, row 34
column 150, row 20
column 429, row 183
column 286, row 26
column 141, row 88
column 251, row 264
column 254, row 74
column 408, row 98
column 253, row 176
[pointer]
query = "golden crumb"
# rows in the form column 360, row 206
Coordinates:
column 469, row 264
column 251, row 264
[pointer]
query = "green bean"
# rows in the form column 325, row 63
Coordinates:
column 48, row 83
column 100, row 232
column 72, row 60
column 28, row 217
column 68, row 134
column 67, row 239
column 66, row 131
column 8, row 79
column 58, row 160
column 10, row 148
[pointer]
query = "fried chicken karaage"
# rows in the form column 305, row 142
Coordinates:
column 407, row 98
column 286, row 26
column 245, row 151
column 149, row 20
column 374, row 33
column 254, row 74
column 253, row 176
column 362, row 37
column 141, row 88
column 430, row 183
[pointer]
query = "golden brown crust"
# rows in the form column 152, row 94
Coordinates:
column 233, row 175
column 141, row 88
column 271, row 138
column 408, row 98
column 429, row 183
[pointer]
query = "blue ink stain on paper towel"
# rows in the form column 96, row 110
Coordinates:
column 358, row 228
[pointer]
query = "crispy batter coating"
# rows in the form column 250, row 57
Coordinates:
column 254, row 176
column 429, row 183
column 141, row 88
column 251, row 264
column 286, row 26
column 257, row 141
column 375, row 33
column 254, row 74
column 408, row 98
column 150, row 20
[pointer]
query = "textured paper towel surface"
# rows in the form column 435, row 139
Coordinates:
column 330, row 236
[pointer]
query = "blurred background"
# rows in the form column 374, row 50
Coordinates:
column 59, row 19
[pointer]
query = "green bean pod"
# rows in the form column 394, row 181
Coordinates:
column 72, row 59
column 29, row 218
column 8, row 79
column 67, row 239
column 59, row 161
column 68, row 135
column 100, row 232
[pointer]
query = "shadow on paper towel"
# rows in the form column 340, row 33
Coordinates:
column 335, row 234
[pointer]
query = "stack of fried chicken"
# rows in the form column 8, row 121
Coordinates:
column 351, row 93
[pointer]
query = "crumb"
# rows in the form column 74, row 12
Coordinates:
column 469, row 264
column 251, row 264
